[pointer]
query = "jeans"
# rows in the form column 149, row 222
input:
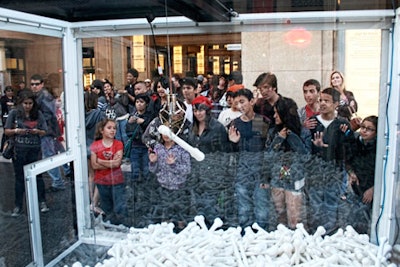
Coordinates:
column 324, row 202
column 253, row 199
column 121, row 131
column 113, row 202
column 48, row 145
column 139, row 162
column 253, row 204
column 22, row 157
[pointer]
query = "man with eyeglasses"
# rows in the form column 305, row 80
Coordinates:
column 46, row 103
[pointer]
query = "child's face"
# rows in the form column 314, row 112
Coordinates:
column 367, row 131
column 310, row 94
column 109, row 130
column 140, row 105
column 244, row 105
column 326, row 104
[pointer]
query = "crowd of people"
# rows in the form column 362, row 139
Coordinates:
column 296, row 164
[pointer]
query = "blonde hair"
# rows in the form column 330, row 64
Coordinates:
column 341, row 76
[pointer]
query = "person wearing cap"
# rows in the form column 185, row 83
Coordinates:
column 148, row 84
column 207, row 134
column 188, row 90
column 210, row 137
column 235, row 80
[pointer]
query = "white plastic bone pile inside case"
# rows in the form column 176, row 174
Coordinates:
column 197, row 245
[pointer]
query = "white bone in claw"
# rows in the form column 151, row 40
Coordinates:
column 194, row 152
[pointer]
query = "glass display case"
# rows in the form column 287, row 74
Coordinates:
column 295, row 47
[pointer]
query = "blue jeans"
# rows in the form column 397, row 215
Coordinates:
column 139, row 162
column 253, row 201
column 253, row 204
column 113, row 202
column 22, row 157
column 324, row 203
column 49, row 149
column 121, row 131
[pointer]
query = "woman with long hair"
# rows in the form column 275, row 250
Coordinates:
column 287, row 175
column 26, row 125
column 207, row 133
column 347, row 106
column 162, row 89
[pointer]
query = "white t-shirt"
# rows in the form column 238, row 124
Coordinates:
column 189, row 112
column 326, row 123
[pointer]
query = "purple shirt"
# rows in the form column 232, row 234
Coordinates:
column 171, row 176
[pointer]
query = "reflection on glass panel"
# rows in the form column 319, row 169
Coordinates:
column 14, row 226
column 33, row 118
column 58, row 224
column 275, row 171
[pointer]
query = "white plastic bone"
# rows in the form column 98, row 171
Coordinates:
column 193, row 151
column 198, row 246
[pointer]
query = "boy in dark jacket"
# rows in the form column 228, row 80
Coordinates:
column 331, row 140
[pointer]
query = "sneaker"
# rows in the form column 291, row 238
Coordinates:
column 43, row 207
column 16, row 212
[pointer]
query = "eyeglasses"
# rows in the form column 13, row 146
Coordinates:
column 368, row 129
column 35, row 84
